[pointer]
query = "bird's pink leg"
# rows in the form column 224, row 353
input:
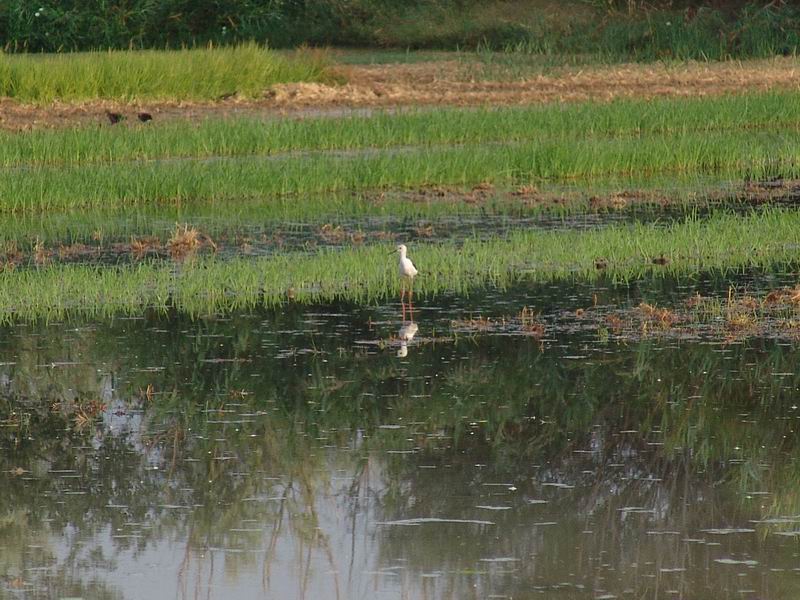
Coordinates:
column 411, row 299
column 402, row 299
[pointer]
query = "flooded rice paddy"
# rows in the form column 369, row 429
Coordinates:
column 338, row 451
column 208, row 387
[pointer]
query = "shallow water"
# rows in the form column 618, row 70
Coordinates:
column 255, row 235
column 255, row 228
column 310, row 453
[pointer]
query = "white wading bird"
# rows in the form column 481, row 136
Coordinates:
column 407, row 273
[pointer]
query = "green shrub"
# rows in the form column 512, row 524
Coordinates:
column 618, row 29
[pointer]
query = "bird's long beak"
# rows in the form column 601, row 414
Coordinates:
column 392, row 252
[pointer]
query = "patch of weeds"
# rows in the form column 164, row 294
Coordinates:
column 186, row 240
column 41, row 255
column 526, row 322
column 141, row 247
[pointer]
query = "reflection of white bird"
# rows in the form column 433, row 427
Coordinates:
column 406, row 334
column 407, row 273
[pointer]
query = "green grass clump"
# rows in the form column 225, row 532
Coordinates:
column 366, row 274
column 733, row 154
column 132, row 75
column 249, row 136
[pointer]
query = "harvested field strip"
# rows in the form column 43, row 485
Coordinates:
column 506, row 80
column 734, row 155
column 366, row 274
column 127, row 75
column 240, row 137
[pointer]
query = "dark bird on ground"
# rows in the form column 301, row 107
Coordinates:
column 145, row 117
column 114, row 117
column 661, row 260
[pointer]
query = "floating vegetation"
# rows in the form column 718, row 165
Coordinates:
column 148, row 393
column 523, row 323
column 80, row 411
column 651, row 313
column 775, row 313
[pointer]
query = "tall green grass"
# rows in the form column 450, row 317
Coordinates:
column 367, row 274
column 245, row 136
column 733, row 154
column 132, row 75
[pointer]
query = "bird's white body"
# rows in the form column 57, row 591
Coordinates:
column 407, row 268
column 407, row 272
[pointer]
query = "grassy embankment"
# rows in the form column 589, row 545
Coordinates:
column 189, row 74
column 749, row 136
column 723, row 242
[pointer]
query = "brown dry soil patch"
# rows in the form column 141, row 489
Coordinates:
column 442, row 83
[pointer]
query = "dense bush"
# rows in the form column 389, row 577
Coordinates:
column 51, row 25
column 617, row 29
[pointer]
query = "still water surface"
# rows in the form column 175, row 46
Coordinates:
column 308, row 453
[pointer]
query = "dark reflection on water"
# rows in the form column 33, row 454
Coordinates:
column 296, row 455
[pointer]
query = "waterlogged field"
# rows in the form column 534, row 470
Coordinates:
column 301, row 452
column 210, row 387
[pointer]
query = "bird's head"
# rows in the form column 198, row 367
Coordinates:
column 401, row 248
